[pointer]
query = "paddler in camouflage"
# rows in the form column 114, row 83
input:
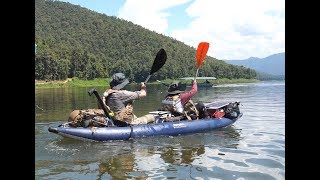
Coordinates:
column 121, row 101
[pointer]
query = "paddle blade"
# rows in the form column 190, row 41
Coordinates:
column 201, row 52
column 159, row 61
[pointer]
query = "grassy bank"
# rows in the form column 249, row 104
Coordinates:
column 217, row 81
column 230, row 81
column 75, row 82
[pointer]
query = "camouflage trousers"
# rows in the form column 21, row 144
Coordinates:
column 143, row 119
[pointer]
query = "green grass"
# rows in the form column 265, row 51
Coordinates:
column 230, row 81
column 84, row 83
column 75, row 82
column 218, row 81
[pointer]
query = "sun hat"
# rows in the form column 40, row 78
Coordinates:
column 174, row 88
column 119, row 80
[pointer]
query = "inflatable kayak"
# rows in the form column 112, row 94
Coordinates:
column 219, row 115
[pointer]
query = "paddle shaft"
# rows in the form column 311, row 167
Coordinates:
column 196, row 74
column 147, row 79
column 95, row 92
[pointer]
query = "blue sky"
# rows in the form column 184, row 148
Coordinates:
column 235, row 29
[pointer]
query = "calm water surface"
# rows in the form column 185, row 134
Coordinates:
column 253, row 148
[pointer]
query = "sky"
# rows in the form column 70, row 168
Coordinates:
column 235, row 29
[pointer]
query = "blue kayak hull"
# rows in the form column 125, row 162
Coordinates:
column 124, row 133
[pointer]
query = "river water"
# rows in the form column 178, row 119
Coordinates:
column 252, row 148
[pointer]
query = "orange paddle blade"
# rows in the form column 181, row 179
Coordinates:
column 201, row 52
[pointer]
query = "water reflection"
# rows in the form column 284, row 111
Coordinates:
column 193, row 146
column 139, row 158
column 117, row 167
column 181, row 156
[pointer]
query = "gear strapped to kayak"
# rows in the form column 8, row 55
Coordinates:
column 88, row 118
column 210, row 118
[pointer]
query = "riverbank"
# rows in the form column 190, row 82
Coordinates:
column 72, row 82
column 75, row 82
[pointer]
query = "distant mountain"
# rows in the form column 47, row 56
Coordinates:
column 273, row 64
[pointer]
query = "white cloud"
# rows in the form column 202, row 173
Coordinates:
column 149, row 13
column 235, row 29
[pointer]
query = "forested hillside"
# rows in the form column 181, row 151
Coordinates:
column 76, row 42
column 265, row 76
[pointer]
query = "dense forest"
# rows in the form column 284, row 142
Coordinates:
column 76, row 42
column 266, row 77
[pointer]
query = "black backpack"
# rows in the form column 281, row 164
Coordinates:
column 232, row 110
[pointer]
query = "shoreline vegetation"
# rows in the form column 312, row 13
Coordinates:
column 75, row 82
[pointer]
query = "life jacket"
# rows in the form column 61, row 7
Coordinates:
column 126, row 114
column 174, row 105
column 190, row 108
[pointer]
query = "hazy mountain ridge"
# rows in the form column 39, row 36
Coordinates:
column 273, row 64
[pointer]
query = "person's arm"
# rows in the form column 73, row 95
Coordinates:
column 186, row 96
column 143, row 90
